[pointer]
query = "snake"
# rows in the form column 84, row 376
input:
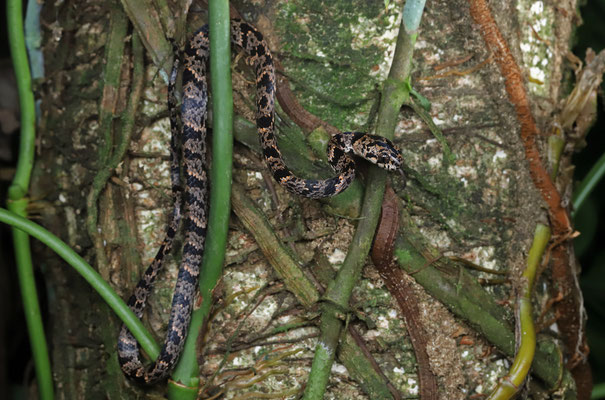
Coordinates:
column 188, row 142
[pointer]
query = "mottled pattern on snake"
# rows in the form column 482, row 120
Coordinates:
column 193, row 115
column 376, row 149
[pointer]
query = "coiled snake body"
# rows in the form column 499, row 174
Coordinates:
column 376, row 149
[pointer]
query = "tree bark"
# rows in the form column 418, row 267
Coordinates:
column 482, row 205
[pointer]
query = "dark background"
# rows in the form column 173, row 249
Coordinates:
column 16, row 366
column 589, row 248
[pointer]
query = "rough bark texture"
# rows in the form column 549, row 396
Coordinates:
column 482, row 206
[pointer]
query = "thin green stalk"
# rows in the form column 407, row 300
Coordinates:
column 337, row 296
column 556, row 144
column 16, row 40
column 17, row 200
column 31, row 307
column 588, row 184
column 511, row 383
column 89, row 274
column 187, row 370
column 598, row 391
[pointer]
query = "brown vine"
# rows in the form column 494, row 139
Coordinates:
column 402, row 291
column 517, row 95
column 569, row 309
column 308, row 122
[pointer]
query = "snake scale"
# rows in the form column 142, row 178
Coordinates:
column 190, row 144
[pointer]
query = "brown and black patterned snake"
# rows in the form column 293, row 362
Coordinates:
column 191, row 144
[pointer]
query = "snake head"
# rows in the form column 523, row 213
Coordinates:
column 387, row 155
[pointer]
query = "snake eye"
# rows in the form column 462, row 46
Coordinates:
column 389, row 157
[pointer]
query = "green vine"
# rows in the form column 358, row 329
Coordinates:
column 18, row 201
column 185, row 379
column 336, row 298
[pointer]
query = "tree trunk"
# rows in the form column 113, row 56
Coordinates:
column 481, row 204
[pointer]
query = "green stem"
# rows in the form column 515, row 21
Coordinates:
column 89, row 274
column 18, row 202
column 556, row 145
column 588, row 184
column 337, row 295
column 31, row 307
column 16, row 40
column 598, row 391
column 187, row 370
column 510, row 384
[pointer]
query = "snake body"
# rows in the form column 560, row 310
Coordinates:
column 376, row 149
